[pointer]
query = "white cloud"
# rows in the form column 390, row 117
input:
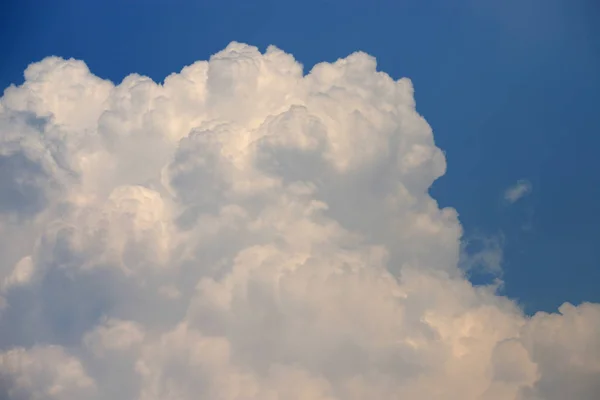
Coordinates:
column 245, row 231
column 516, row 192
column 43, row 373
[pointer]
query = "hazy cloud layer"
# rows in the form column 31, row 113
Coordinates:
column 244, row 231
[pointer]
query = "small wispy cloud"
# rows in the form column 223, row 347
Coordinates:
column 482, row 253
column 516, row 192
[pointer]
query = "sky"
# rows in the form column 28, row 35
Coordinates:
column 284, row 176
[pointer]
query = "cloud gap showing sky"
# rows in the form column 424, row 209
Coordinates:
column 247, row 231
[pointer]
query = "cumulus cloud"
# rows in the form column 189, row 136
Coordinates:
column 247, row 231
column 516, row 192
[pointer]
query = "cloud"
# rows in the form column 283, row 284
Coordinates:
column 248, row 231
column 481, row 253
column 516, row 192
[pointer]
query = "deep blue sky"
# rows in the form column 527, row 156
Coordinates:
column 511, row 88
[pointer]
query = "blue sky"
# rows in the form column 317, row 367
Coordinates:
column 510, row 88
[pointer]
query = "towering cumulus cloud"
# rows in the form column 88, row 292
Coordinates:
column 247, row 232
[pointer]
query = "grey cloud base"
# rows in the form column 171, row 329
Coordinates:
column 245, row 231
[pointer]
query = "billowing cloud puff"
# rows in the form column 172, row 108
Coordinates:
column 244, row 231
